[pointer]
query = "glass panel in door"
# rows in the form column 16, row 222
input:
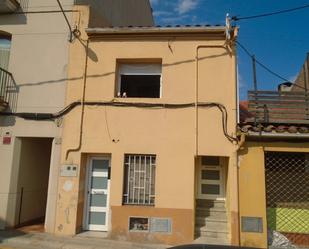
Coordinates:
column 98, row 186
column 210, row 182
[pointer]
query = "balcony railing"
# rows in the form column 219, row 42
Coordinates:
column 278, row 107
column 8, row 90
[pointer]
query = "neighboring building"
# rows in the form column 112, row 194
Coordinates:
column 273, row 170
column 148, row 150
column 302, row 79
column 34, row 55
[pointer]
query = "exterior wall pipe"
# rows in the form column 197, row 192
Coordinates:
column 224, row 46
column 197, row 85
column 240, row 144
column 82, row 105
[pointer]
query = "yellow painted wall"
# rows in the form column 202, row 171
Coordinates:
column 168, row 133
column 252, row 193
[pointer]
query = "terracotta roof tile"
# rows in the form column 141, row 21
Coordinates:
column 271, row 128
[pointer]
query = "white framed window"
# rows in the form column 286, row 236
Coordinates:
column 139, row 80
column 139, row 179
column 5, row 45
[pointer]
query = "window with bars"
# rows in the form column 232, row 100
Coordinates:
column 139, row 179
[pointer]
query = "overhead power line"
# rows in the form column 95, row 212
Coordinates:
column 235, row 18
column 266, row 67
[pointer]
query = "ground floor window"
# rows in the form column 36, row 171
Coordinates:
column 139, row 179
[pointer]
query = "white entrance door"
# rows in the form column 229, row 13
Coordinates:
column 97, row 210
column 211, row 182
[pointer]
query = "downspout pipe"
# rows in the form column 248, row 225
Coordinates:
column 240, row 144
column 226, row 47
column 82, row 105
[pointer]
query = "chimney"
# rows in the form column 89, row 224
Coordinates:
column 285, row 87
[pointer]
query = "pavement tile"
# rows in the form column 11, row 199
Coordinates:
column 49, row 241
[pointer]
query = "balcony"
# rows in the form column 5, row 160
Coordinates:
column 9, row 6
column 8, row 90
column 278, row 107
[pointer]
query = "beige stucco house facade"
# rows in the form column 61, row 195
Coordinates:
column 149, row 149
column 34, row 58
column 133, row 132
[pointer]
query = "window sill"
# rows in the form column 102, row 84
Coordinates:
column 139, row 205
column 131, row 99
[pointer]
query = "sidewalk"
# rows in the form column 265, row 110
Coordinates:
column 18, row 240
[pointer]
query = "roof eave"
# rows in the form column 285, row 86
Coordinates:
column 156, row 31
column 277, row 135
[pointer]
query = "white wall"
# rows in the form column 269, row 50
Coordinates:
column 38, row 62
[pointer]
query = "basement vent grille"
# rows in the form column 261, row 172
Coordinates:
column 161, row 225
column 251, row 224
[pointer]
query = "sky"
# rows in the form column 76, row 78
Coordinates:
column 281, row 42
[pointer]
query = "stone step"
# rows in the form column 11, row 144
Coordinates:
column 213, row 227
column 210, row 203
column 209, row 233
column 212, row 241
column 204, row 220
column 214, row 213
column 211, row 223
column 212, row 208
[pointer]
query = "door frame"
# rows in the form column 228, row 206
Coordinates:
column 87, row 199
column 221, row 168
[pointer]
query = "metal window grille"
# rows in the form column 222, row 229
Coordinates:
column 287, row 198
column 139, row 179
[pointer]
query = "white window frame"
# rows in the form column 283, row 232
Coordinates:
column 126, row 189
column 139, row 69
column 87, row 199
column 5, row 49
column 221, row 182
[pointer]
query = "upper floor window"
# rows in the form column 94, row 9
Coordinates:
column 5, row 45
column 139, row 80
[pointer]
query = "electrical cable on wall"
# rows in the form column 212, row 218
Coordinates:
column 70, row 107
column 39, row 12
column 72, row 32
column 235, row 18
